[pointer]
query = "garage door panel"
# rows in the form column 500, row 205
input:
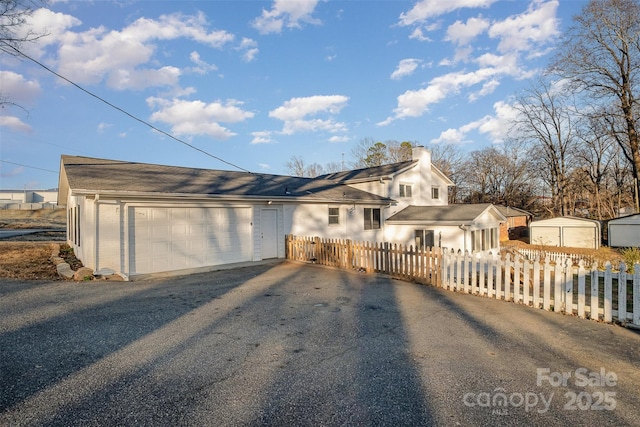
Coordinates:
column 163, row 239
column 548, row 236
column 579, row 237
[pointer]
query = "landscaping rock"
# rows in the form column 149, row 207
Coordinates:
column 64, row 270
column 83, row 273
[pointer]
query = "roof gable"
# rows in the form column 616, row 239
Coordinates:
column 91, row 175
column 453, row 214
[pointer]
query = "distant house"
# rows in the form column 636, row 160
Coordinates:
column 517, row 223
column 566, row 231
column 138, row 218
column 624, row 232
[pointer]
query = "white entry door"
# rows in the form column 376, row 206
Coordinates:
column 269, row 223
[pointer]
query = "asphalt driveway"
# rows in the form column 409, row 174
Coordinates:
column 291, row 344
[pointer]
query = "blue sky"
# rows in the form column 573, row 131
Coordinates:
column 256, row 82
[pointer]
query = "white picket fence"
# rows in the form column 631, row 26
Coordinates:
column 559, row 286
column 553, row 256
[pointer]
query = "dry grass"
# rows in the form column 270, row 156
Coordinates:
column 27, row 261
column 601, row 255
column 42, row 218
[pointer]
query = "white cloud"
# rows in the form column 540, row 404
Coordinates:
column 343, row 138
column 103, row 126
column 406, row 67
column 529, row 30
column 262, row 137
column 496, row 126
column 125, row 58
column 264, row 166
column 13, row 172
column 487, row 89
column 462, row 33
column 413, row 103
column 285, row 13
column 202, row 67
column 197, row 117
column 14, row 124
column 250, row 49
column 15, row 88
column 298, row 114
column 427, row 9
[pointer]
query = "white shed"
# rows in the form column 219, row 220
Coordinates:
column 566, row 231
column 624, row 232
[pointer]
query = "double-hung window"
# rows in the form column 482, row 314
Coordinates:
column 405, row 190
column 435, row 192
column 334, row 216
column 371, row 218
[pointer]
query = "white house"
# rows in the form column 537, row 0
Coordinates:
column 566, row 231
column 138, row 218
column 624, row 232
column 466, row 227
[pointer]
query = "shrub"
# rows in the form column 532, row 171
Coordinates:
column 631, row 257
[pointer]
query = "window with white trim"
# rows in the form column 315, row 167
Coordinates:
column 405, row 190
column 435, row 192
column 334, row 216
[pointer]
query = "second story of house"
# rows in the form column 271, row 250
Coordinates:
column 414, row 182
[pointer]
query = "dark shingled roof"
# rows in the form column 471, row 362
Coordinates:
column 373, row 173
column 509, row 211
column 450, row 213
column 95, row 175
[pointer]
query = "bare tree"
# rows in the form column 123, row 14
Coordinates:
column 399, row 151
column 546, row 123
column 499, row 175
column 13, row 24
column 295, row 166
column 14, row 32
column 449, row 159
column 601, row 57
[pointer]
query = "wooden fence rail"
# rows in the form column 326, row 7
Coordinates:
column 398, row 261
column 561, row 286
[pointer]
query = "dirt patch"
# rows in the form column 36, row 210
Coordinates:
column 32, row 260
column 41, row 218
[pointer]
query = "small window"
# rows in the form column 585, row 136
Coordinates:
column 435, row 193
column 405, row 190
column 371, row 218
column 334, row 216
column 424, row 239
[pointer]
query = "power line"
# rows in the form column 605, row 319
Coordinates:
column 124, row 111
column 27, row 166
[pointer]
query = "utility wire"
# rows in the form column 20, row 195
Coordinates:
column 27, row 166
column 124, row 111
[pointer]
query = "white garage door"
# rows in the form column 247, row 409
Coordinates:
column 579, row 237
column 548, row 236
column 165, row 239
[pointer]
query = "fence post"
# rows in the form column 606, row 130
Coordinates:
column 622, row 293
column 636, row 294
column 595, row 285
column 557, row 287
column 507, row 277
column 387, row 257
column 581, row 289
column 546, row 283
column 536, row 283
column 608, row 293
column 568, row 287
column 349, row 254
